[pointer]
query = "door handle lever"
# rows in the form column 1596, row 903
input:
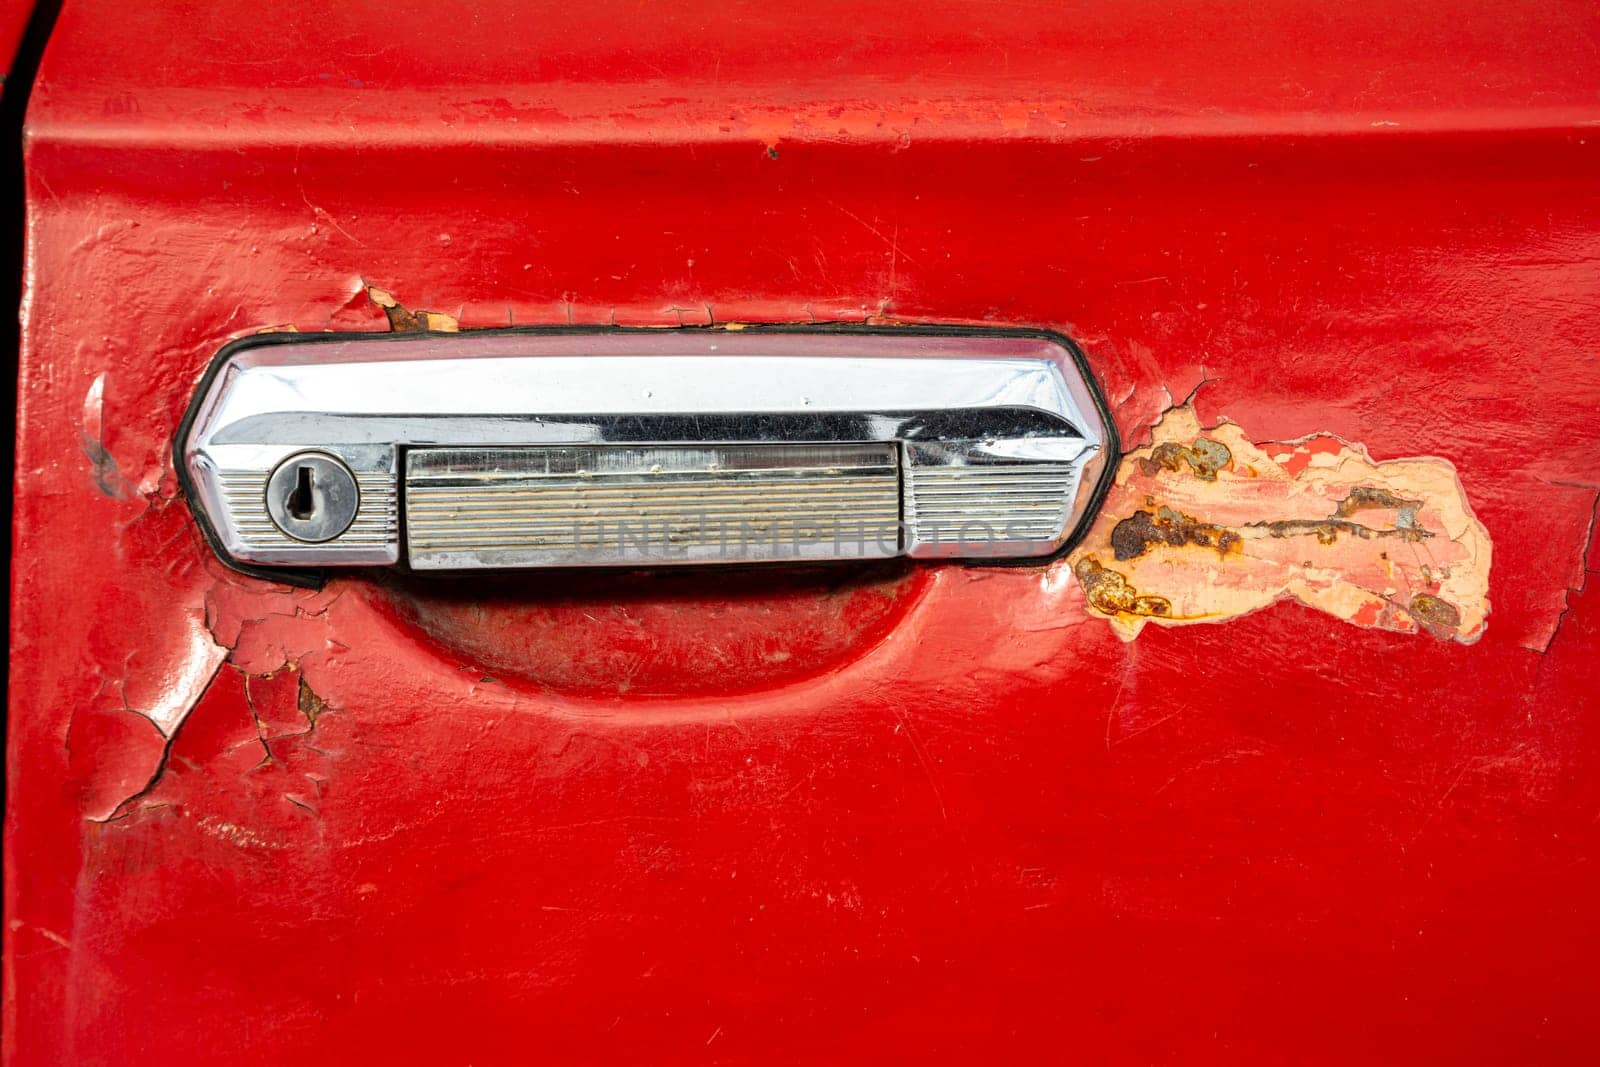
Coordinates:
column 540, row 448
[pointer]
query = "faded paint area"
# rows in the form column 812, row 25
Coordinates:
column 1204, row 525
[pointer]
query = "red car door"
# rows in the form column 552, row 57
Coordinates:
column 1294, row 756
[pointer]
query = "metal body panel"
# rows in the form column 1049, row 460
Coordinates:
column 915, row 811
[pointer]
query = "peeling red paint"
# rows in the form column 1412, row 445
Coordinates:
column 402, row 320
column 1203, row 525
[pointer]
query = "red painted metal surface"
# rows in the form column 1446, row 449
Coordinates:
column 930, row 811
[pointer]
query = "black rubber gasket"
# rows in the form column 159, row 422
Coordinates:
column 313, row 578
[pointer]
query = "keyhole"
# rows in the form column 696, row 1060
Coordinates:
column 300, row 503
column 312, row 497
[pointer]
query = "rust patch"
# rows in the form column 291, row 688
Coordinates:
column 402, row 320
column 1111, row 594
column 1205, row 525
column 1367, row 498
column 1327, row 531
column 1133, row 535
column 1204, row 458
column 310, row 705
column 1439, row 617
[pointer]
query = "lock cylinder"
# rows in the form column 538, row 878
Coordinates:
column 312, row 497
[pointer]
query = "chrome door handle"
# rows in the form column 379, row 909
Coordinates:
column 538, row 448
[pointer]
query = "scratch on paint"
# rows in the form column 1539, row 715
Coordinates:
column 1204, row 525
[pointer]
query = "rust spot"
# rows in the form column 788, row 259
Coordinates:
column 1439, row 617
column 1111, row 594
column 1327, row 531
column 1366, row 497
column 403, row 321
column 311, row 705
column 1205, row 458
column 1131, row 536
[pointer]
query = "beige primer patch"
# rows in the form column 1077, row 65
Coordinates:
column 1204, row 525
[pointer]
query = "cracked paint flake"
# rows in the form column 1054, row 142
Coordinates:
column 1204, row 525
column 402, row 320
column 175, row 693
column 249, row 732
column 123, row 764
